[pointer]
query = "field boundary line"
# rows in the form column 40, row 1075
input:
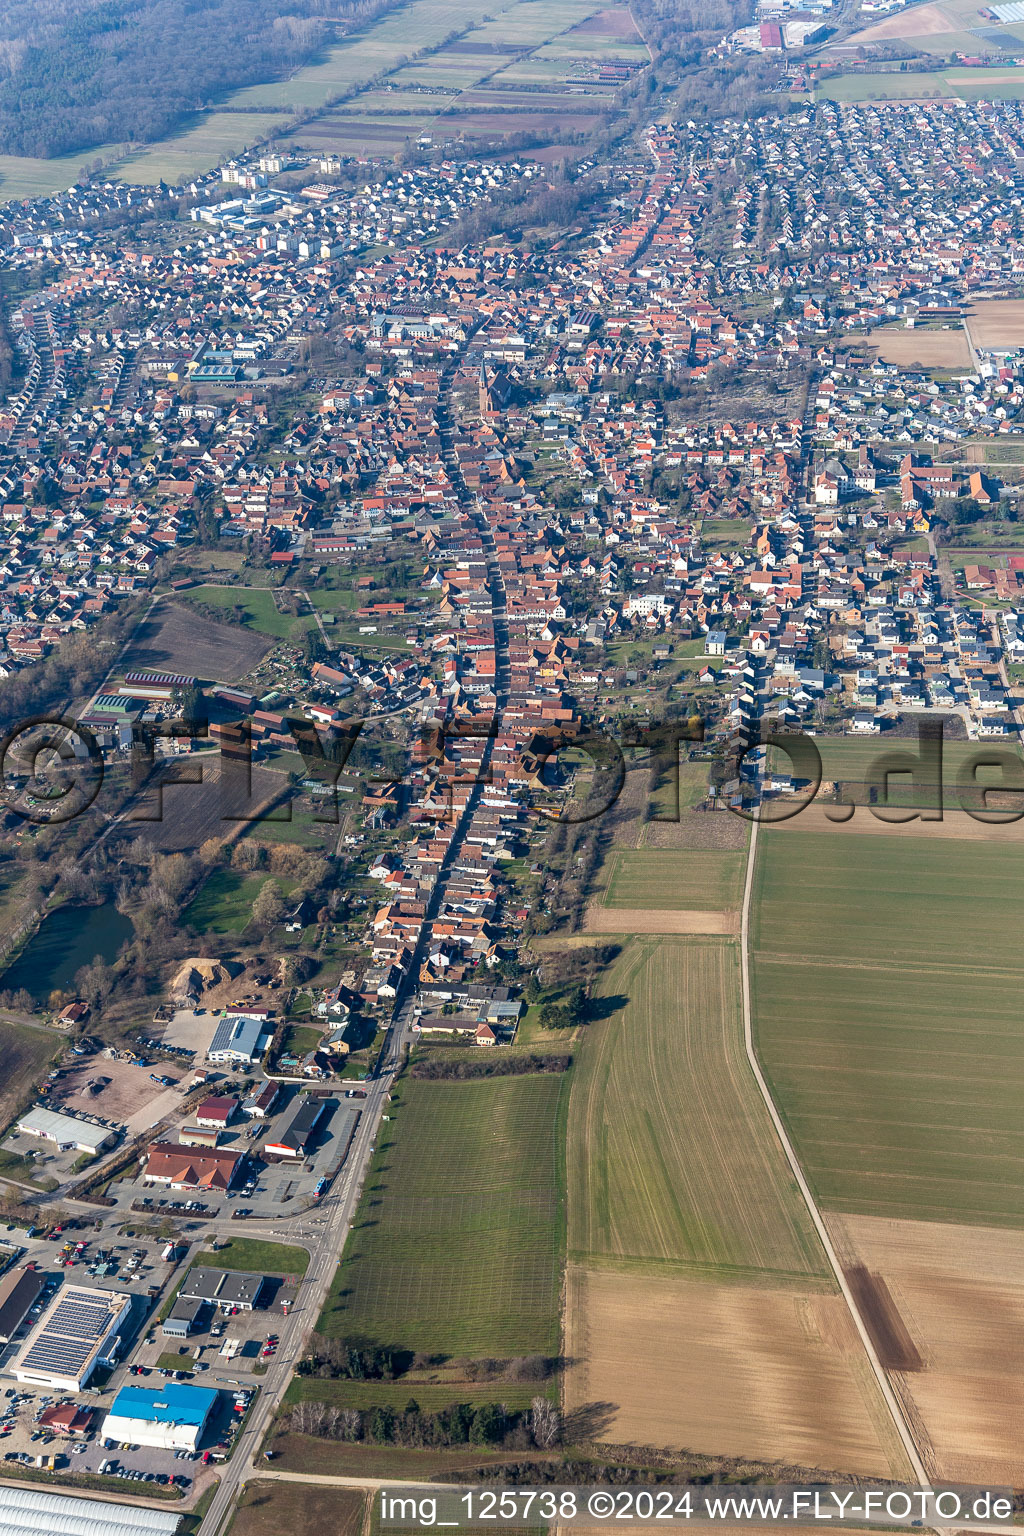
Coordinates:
column 891, row 1401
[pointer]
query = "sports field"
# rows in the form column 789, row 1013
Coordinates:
column 457, row 1245
column 887, row 983
column 671, row 1159
column 687, row 878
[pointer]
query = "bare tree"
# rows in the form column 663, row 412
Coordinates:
column 545, row 1423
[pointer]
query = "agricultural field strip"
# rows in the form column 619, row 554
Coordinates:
column 901, row 1090
column 669, row 1160
column 542, row 25
column 667, row 879
column 900, row 1418
column 476, row 1269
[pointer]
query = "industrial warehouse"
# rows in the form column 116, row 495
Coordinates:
column 80, row 1330
column 66, row 1131
column 168, row 1418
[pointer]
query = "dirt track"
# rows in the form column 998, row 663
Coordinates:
column 600, row 919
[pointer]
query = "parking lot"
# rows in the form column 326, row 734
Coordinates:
column 264, row 1190
column 22, row 1440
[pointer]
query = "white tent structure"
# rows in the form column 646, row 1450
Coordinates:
column 33, row 1512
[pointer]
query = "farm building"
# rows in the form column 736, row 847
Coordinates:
column 29, row 1511
column 80, row 1329
column 169, row 1418
column 160, row 687
column 66, row 1131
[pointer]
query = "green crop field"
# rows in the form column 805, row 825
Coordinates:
column 888, row 976
column 23, row 176
column 345, row 66
column 860, row 761
column 671, row 1158
column 457, row 1245
column 217, row 136
column 677, row 879
column 1002, row 83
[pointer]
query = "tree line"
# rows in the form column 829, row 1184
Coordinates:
column 490, row 1424
column 446, row 1068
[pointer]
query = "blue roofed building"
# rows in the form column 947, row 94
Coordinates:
column 171, row 1418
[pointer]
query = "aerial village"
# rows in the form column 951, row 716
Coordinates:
column 533, row 500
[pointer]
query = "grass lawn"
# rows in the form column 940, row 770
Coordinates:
column 259, row 609
column 224, row 904
column 24, row 1170
column 299, row 1040
column 251, row 1253
column 725, row 533
column 457, row 1244
column 677, row 879
column 267, row 1509
column 671, row 1157
column 888, row 976
column 170, row 1360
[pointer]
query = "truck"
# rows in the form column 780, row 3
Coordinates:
column 230, row 1348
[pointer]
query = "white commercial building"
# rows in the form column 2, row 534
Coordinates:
column 80, row 1329
column 169, row 1418
column 66, row 1131
column 240, row 1038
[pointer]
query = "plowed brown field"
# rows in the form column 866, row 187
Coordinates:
column 725, row 1369
column 960, row 1296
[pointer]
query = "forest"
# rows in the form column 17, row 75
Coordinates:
column 77, row 75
